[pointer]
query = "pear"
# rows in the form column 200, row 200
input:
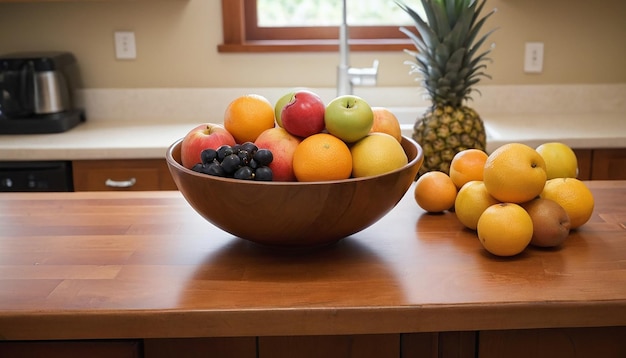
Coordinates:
column 551, row 224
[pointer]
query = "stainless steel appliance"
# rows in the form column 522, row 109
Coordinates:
column 36, row 176
column 36, row 93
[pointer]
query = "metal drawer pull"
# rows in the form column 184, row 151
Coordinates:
column 120, row 183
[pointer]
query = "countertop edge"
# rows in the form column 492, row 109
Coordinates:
column 142, row 139
column 91, row 324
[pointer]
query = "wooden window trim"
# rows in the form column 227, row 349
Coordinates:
column 240, row 36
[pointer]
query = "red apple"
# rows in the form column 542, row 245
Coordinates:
column 204, row 136
column 282, row 101
column 303, row 115
column 282, row 144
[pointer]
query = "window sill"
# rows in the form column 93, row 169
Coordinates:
column 315, row 46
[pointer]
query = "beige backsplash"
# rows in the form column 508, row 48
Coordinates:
column 208, row 104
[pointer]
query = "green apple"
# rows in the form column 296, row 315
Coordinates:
column 349, row 118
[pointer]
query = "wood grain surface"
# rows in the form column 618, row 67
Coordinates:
column 144, row 264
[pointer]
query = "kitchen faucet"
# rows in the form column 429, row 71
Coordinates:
column 348, row 77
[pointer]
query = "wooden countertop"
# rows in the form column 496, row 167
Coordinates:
column 144, row 264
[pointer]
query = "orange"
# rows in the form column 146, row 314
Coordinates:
column 248, row 116
column 435, row 192
column 322, row 157
column 514, row 173
column 467, row 165
column 573, row 195
column 377, row 153
column 505, row 229
column 386, row 122
column 471, row 201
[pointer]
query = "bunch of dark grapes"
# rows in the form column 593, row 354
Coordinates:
column 241, row 161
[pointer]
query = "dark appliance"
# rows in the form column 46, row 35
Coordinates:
column 36, row 93
column 36, row 176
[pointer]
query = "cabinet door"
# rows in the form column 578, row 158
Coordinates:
column 348, row 346
column 609, row 164
column 63, row 349
column 135, row 174
column 605, row 342
column 218, row 347
column 439, row 345
column 583, row 156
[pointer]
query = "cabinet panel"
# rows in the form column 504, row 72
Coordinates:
column 609, row 164
column 422, row 345
column 356, row 346
column 220, row 347
column 605, row 342
column 135, row 174
column 439, row 345
column 63, row 349
column 583, row 156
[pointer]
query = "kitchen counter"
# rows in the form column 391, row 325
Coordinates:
column 128, row 139
column 100, row 139
column 143, row 264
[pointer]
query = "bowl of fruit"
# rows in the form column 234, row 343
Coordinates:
column 283, row 190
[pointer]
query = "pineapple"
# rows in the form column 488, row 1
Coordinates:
column 449, row 65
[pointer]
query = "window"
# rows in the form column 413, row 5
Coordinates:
column 312, row 25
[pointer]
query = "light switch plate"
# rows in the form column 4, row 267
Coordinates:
column 125, row 48
column 533, row 57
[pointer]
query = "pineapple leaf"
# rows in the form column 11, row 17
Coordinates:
column 442, row 54
column 480, row 58
column 444, row 82
column 455, row 61
column 477, row 45
column 442, row 23
column 457, row 37
column 447, row 43
column 417, row 41
column 475, row 28
column 429, row 37
column 452, row 10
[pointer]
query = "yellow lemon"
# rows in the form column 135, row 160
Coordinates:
column 561, row 161
column 377, row 153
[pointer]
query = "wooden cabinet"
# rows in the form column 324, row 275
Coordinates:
column 127, row 174
column 344, row 346
column 609, row 164
column 605, row 342
column 153, row 174
column 63, row 349
column 601, row 164
column 583, row 157
column 425, row 344
column 231, row 347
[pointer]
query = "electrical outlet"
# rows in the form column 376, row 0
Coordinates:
column 125, row 48
column 533, row 57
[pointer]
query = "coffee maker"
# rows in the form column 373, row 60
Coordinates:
column 36, row 93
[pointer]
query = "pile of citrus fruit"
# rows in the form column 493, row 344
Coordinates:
column 513, row 197
column 311, row 140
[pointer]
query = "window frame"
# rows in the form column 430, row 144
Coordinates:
column 241, row 34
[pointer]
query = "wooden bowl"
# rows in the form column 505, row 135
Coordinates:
column 294, row 214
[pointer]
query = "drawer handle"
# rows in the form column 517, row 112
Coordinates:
column 120, row 183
